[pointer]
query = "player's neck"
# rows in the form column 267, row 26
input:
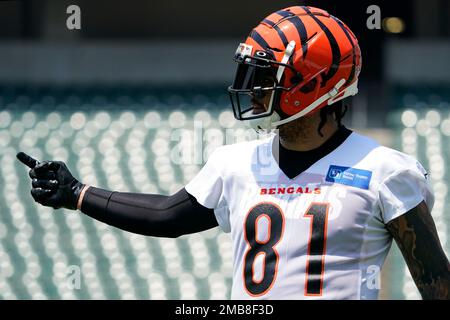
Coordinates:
column 312, row 139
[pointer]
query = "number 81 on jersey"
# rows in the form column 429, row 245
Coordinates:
column 317, row 213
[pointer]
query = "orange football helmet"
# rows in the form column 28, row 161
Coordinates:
column 303, row 57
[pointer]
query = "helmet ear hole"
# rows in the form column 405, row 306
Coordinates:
column 309, row 86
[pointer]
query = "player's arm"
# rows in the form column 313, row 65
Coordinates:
column 417, row 238
column 154, row 215
column 148, row 214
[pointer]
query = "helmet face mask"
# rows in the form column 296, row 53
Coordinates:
column 256, row 85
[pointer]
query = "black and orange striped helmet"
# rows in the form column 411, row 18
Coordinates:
column 298, row 60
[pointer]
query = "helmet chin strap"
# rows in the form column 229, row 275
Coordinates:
column 272, row 122
column 263, row 124
column 331, row 96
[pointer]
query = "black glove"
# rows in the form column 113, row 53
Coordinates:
column 52, row 183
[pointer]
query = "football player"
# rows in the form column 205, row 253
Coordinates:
column 312, row 209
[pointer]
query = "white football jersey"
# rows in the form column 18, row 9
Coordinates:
column 320, row 235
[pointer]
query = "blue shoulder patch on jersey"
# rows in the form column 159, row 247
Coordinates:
column 349, row 176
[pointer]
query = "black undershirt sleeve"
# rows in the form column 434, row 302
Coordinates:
column 149, row 214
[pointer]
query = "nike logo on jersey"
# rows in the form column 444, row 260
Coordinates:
column 349, row 176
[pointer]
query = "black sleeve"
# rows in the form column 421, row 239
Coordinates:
column 149, row 214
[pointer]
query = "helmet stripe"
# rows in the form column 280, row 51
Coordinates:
column 268, row 22
column 285, row 14
column 281, row 35
column 259, row 39
column 347, row 34
column 335, row 50
column 301, row 29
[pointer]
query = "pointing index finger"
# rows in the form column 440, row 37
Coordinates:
column 27, row 160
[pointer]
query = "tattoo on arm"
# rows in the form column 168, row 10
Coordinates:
column 417, row 238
